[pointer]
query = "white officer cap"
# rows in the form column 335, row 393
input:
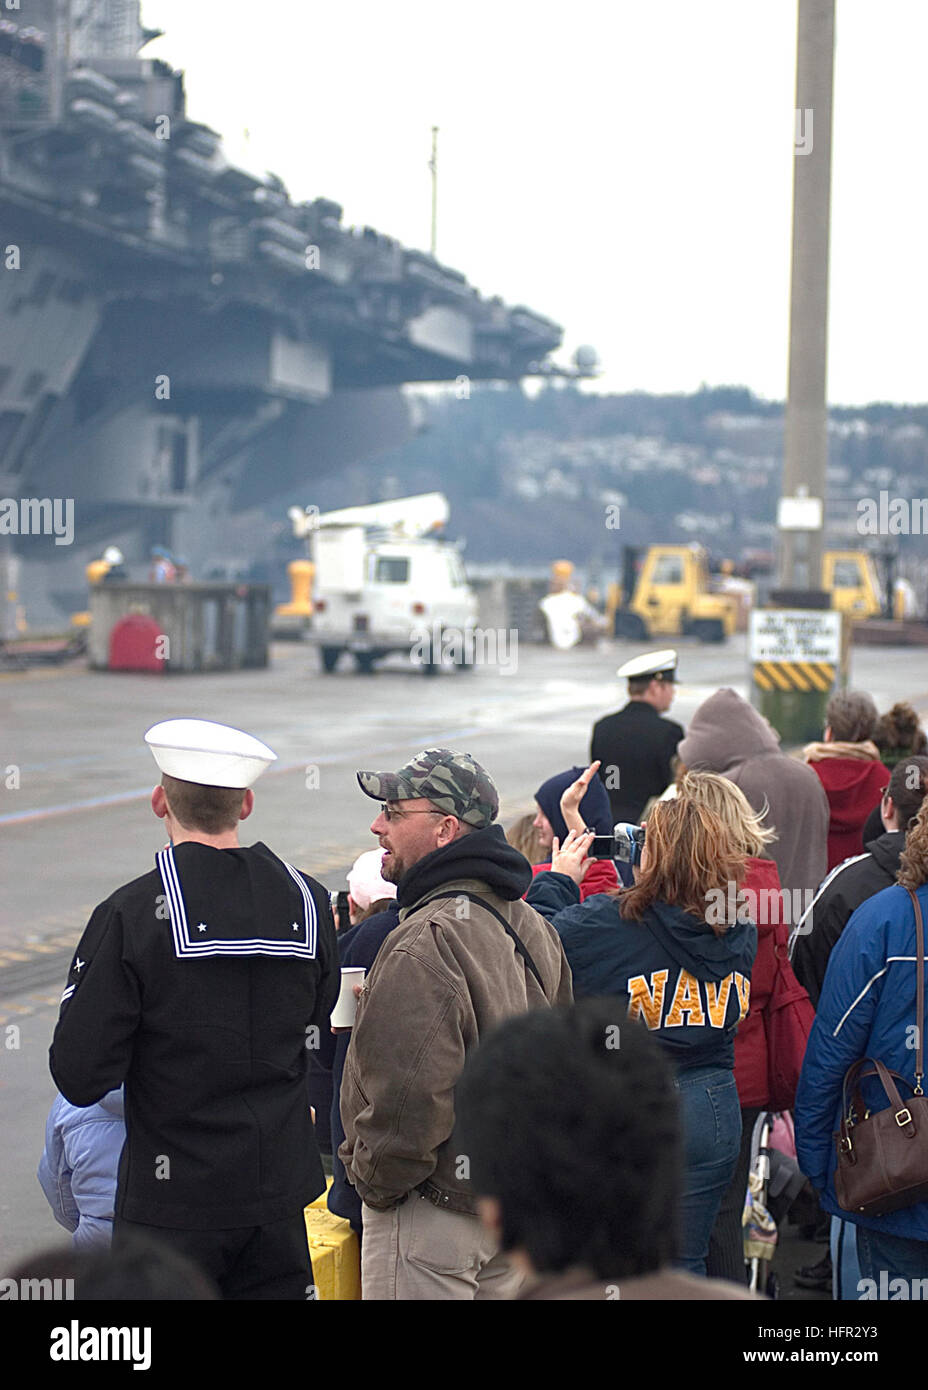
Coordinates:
column 213, row 755
column 660, row 666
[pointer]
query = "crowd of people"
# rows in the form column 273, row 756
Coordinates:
column 564, row 1035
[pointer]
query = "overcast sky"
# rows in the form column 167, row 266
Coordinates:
column 623, row 167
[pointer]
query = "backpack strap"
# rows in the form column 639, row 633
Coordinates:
column 520, row 946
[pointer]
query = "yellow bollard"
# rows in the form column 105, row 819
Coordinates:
column 301, row 574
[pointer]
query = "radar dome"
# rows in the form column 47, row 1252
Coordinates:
column 586, row 359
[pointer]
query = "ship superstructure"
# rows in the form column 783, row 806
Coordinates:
column 180, row 341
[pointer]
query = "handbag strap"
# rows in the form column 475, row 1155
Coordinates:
column 853, row 1076
column 920, row 993
column 887, row 1078
column 521, row 948
column 855, row 1073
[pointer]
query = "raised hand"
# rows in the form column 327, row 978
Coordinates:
column 571, row 798
column 572, row 859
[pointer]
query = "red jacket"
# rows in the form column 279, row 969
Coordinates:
column 600, row 877
column 853, row 788
column 751, row 1037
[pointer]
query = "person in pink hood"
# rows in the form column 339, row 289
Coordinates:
column 848, row 765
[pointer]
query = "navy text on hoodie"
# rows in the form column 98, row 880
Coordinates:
column 688, row 986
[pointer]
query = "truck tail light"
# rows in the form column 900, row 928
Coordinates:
column 418, row 609
column 319, row 605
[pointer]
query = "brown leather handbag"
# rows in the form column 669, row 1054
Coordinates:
column 883, row 1156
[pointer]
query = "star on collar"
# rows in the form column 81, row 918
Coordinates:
column 201, row 926
column 296, row 926
column 79, row 964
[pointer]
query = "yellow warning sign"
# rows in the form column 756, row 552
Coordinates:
column 795, row 649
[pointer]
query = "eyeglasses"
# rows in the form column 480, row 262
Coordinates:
column 391, row 813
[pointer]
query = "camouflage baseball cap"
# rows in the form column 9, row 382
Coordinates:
column 454, row 782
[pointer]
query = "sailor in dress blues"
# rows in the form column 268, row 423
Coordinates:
column 201, row 986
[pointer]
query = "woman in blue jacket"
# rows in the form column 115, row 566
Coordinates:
column 667, row 949
column 867, row 1008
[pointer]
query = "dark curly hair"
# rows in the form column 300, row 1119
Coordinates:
column 913, row 861
column 577, row 1137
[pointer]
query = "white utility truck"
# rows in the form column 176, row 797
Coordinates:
column 385, row 581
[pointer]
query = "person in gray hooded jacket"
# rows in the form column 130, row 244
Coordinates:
column 728, row 736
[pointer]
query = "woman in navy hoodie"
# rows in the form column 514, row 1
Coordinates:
column 687, row 978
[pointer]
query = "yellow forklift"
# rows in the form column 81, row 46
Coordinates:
column 668, row 594
column 850, row 577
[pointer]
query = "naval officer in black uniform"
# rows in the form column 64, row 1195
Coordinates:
column 635, row 746
column 202, row 985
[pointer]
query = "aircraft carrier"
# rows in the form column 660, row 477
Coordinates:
column 180, row 342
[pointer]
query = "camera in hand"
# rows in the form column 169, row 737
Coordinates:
column 624, row 843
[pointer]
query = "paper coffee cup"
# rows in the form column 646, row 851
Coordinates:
column 346, row 1006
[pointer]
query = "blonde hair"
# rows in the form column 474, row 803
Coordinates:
column 732, row 807
column 691, row 851
column 523, row 836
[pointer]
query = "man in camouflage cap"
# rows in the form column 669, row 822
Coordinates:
column 437, row 780
column 467, row 953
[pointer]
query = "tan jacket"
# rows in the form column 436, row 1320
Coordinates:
column 445, row 976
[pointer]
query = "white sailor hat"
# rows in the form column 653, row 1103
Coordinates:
column 213, row 755
column 660, row 666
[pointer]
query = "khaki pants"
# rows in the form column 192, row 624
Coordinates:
column 418, row 1251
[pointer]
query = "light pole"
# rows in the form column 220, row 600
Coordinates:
column 433, row 167
column 798, row 654
column 805, row 453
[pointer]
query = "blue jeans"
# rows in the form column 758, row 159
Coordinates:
column 885, row 1258
column 711, row 1117
column 844, row 1262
